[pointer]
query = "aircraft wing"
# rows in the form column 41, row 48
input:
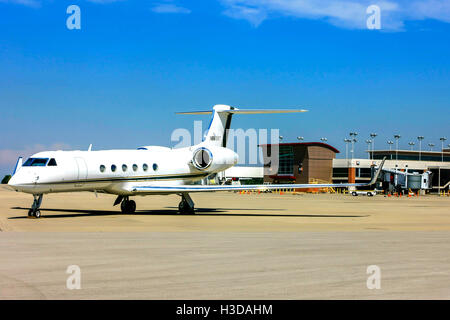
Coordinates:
column 214, row 188
column 254, row 187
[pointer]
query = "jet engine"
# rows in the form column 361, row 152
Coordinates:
column 202, row 158
column 213, row 159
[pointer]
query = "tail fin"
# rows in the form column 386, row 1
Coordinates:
column 220, row 123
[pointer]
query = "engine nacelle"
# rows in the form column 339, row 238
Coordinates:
column 213, row 159
column 202, row 158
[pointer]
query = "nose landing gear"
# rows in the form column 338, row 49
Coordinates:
column 34, row 211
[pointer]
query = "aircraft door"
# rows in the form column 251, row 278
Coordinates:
column 82, row 169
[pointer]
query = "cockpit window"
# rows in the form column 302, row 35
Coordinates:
column 36, row 162
column 52, row 163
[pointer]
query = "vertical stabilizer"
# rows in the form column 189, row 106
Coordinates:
column 217, row 132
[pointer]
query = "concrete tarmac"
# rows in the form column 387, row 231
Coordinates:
column 263, row 246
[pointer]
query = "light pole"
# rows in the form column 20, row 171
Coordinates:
column 353, row 147
column 390, row 143
column 373, row 136
column 369, row 142
column 431, row 145
column 353, row 136
column 347, row 141
column 420, row 138
column 442, row 150
column 396, row 137
column 411, row 144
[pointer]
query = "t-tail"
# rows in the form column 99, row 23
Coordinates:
column 219, row 126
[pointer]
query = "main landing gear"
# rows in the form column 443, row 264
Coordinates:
column 34, row 211
column 126, row 205
column 186, row 205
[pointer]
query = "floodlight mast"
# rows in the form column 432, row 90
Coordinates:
column 396, row 137
column 369, row 143
column 347, row 141
column 390, row 143
column 373, row 135
column 420, row 138
column 442, row 150
column 353, row 134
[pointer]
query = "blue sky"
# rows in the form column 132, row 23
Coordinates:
column 117, row 82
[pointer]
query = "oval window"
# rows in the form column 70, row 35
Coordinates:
column 102, row 168
column 155, row 167
column 113, row 168
column 124, row 167
column 145, row 167
column 135, row 167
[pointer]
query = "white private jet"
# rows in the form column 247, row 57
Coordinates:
column 149, row 170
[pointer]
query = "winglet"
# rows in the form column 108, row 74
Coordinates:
column 377, row 173
column 18, row 165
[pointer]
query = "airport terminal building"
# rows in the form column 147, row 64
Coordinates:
column 315, row 162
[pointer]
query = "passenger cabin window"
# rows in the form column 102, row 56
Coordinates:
column 113, row 168
column 52, row 163
column 102, row 168
column 135, row 167
column 124, row 167
column 155, row 167
column 145, row 167
column 35, row 162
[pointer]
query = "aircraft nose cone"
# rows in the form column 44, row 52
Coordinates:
column 13, row 184
column 18, row 183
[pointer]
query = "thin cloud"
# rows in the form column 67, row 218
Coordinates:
column 170, row 8
column 104, row 1
column 342, row 13
column 8, row 157
column 38, row 3
column 27, row 3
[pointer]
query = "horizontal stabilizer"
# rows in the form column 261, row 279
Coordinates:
column 195, row 112
column 221, row 120
column 256, row 111
column 248, row 111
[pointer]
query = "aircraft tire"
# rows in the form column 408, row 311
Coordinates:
column 128, row 206
column 132, row 206
column 184, row 208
